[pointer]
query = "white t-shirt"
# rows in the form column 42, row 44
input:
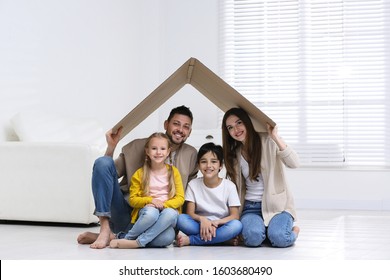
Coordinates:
column 254, row 189
column 212, row 203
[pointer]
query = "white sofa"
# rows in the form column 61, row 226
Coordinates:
column 48, row 180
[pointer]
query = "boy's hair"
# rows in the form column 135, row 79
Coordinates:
column 147, row 166
column 211, row 147
column 181, row 110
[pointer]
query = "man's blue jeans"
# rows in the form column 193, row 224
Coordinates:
column 191, row 228
column 153, row 228
column 254, row 232
column 109, row 200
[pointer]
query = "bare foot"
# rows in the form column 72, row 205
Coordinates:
column 296, row 230
column 87, row 237
column 124, row 244
column 182, row 240
column 232, row 242
column 103, row 240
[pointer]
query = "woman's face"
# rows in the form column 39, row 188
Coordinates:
column 236, row 128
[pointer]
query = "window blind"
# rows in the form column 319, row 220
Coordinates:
column 319, row 69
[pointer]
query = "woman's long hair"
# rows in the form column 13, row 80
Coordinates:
column 252, row 147
column 147, row 168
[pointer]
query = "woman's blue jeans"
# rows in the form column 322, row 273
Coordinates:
column 109, row 199
column 153, row 228
column 191, row 228
column 254, row 232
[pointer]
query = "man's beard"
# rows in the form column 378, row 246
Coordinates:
column 171, row 138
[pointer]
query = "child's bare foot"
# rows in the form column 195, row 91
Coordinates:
column 103, row 240
column 124, row 244
column 232, row 242
column 87, row 237
column 296, row 230
column 182, row 240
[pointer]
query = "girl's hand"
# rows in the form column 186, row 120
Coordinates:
column 158, row 204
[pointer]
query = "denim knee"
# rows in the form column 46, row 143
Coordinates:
column 170, row 216
column 164, row 239
column 104, row 162
column 149, row 215
column 182, row 220
column 281, row 238
column 253, row 231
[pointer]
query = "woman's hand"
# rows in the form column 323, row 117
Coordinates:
column 273, row 133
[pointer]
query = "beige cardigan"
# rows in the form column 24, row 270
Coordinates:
column 277, row 196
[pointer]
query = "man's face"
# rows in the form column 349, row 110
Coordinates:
column 178, row 128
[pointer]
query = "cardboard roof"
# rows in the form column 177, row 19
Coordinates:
column 193, row 72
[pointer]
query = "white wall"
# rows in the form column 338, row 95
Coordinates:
column 87, row 58
column 99, row 59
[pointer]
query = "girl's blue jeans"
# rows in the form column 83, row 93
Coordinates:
column 191, row 228
column 109, row 199
column 254, row 232
column 153, row 228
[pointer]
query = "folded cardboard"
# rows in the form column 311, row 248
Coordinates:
column 193, row 72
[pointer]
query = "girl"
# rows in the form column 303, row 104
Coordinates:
column 156, row 195
column 255, row 161
column 212, row 204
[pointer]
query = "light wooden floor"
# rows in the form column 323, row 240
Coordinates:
column 325, row 235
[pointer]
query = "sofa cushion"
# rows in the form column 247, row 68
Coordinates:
column 39, row 126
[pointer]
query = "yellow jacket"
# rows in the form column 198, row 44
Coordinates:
column 137, row 200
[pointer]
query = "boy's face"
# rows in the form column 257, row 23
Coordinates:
column 178, row 128
column 209, row 165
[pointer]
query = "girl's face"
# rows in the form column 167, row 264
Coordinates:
column 209, row 165
column 158, row 150
column 236, row 128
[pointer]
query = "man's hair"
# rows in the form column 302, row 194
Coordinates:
column 181, row 110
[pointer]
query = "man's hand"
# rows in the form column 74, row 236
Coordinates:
column 112, row 140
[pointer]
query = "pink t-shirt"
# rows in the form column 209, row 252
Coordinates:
column 159, row 186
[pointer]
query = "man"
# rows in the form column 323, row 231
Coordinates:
column 111, row 196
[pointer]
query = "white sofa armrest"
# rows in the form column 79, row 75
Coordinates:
column 47, row 182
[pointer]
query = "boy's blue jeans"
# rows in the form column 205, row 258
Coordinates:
column 254, row 232
column 109, row 200
column 191, row 228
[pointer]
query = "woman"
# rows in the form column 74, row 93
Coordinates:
column 254, row 162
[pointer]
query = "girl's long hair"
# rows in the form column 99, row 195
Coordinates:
column 147, row 168
column 252, row 146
